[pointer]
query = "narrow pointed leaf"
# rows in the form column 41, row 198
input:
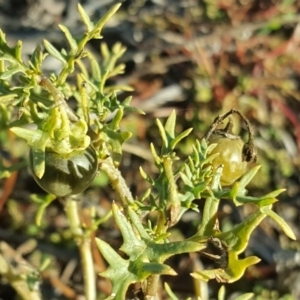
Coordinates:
column 38, row 162
column 221, row 293
column 54, row 52
column 111, row 256
column 234, row 193
column 283, row 225
column 180, row 137
column 7, row 97
column 85, row 18
column 186, row 180
column 257, row 201
column 170, row 125
column 154, row 154
column 37, row 58
column 104, row 51
column 274, row 194
column 115, row 123
column 127, row 101
column 143, row 173
column 99, row 25
column 137, row 223
column 10, row 72
column 170, row 292
column 2, row 39
column 96, row 71
column 208, row 148
column 164, row 251
column 155, row 268
column 18, row 52
column 162, row 133
column 209, row 159
column 13, row 54
column 248, row 177
column 72, row 42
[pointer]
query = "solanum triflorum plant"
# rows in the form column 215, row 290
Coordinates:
column 66, row 148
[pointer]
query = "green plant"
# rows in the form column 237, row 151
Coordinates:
column 68, row 174
column 233, row 153
column 61, row 134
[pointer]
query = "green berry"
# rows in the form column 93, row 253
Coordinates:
column 67, row 174
column 230, row 152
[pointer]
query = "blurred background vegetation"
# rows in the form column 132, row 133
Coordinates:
column 201, row 58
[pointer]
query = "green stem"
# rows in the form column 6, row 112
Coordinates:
column 209, row 216
column 84, row 102
column 173, row 203
column 164, row 221
column 161, row 223
column 151, row 287
column 117, row 181
column 210, row 208
column 83, row 242
column 59, row 99
column 172, row 188
column 87, row 36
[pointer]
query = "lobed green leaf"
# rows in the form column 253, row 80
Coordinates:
column 132, row 245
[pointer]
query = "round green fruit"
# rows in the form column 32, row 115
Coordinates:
column 230, row 152
column 67, row 174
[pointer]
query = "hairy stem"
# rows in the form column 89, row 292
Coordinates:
column 83, row 242
column 151, row 288
column 173, row 204
column 117, row 181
